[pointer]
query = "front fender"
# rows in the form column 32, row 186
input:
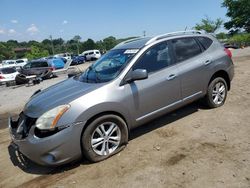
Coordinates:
column 107, row 107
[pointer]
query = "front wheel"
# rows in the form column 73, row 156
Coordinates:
column 104, row 137
column 216, row 93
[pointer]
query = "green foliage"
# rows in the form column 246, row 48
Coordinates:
column 109, row 42
column 36, row 53
column 6, row 51
column 209, row 25
column 222, row 35
column 240, row 39
column 239, row 12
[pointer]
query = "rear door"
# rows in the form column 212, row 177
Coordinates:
column 158, row 93
column 192, row 66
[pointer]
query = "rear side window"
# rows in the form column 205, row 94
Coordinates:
column 39, row 64
column 91, row 53
column 185, row 48
column 205, row 42
column 19, row 61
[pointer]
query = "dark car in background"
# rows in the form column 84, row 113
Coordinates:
column 76, row 60
column 42, row 68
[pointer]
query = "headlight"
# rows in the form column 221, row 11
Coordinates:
column 49, row 119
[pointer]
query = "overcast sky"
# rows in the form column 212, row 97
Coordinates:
column 25, row 20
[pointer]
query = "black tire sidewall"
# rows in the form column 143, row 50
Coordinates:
column 209, row 97
column 87, row 150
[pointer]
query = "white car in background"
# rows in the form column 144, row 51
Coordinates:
column 7, row 74
column 21, row 62
column 66, row 56
column 91, row 55
column 15, row 63
column 9, row 63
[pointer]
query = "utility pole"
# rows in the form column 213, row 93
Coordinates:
column 52, row 45
column 78, row 46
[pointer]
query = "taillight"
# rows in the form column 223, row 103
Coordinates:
column 52, row 68
column 1, row 77
column 228, row 52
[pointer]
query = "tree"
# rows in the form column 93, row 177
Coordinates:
column 36, row 53
column 222, row 35
column 109, row 42
column 209, row 25
column 88, row 45
column 77, row 38
column 239, row 12
column 6, row 52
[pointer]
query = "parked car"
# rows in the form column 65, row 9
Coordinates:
column 137, row 81
column 42, row 68
column 7, row 74
column 8, row 63
column 76, row 60
column 232, row 46
column 91, row 55
column 21, row 62
column 66, row 56
column 53, row 57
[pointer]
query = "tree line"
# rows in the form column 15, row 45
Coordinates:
column 34, row 49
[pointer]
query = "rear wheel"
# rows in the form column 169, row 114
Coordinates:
column 104, row 137
column 216, row 93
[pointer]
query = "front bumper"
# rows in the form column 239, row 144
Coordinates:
column 59, row 148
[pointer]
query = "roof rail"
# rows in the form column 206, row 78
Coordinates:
column 173, row 33
column 130, row 40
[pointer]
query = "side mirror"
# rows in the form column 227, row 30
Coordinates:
column 138, row 74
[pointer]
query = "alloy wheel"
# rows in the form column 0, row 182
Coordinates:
column 106, row 138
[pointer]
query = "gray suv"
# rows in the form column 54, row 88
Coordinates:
column 91, row 114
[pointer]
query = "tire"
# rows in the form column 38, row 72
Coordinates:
column 21, row 79
column 105, row 147
column 46, row 74
column 216, row 96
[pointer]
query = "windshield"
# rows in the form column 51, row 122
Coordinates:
column 108, row 66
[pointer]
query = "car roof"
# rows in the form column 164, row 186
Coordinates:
column 138, row 43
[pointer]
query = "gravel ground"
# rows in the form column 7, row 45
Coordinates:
column 191, row 147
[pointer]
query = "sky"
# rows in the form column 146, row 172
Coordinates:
column 25, row 20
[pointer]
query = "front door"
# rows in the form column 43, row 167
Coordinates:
column 158, row 93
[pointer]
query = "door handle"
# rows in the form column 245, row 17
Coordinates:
column 171, row 77
column 208, row 62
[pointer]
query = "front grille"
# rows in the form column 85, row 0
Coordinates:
column 23, row 126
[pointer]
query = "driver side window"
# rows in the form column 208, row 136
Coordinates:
column 155, row 58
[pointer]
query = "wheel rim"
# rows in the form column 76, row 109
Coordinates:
column 106, row 138
column 219, row 93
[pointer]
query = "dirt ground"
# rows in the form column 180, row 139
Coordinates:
column 191, row 147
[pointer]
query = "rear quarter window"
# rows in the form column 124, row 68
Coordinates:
column 185, row 48
column 205, row 42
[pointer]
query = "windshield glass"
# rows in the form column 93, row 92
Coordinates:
column 108, row 66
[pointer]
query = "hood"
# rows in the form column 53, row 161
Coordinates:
column 59, row 94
